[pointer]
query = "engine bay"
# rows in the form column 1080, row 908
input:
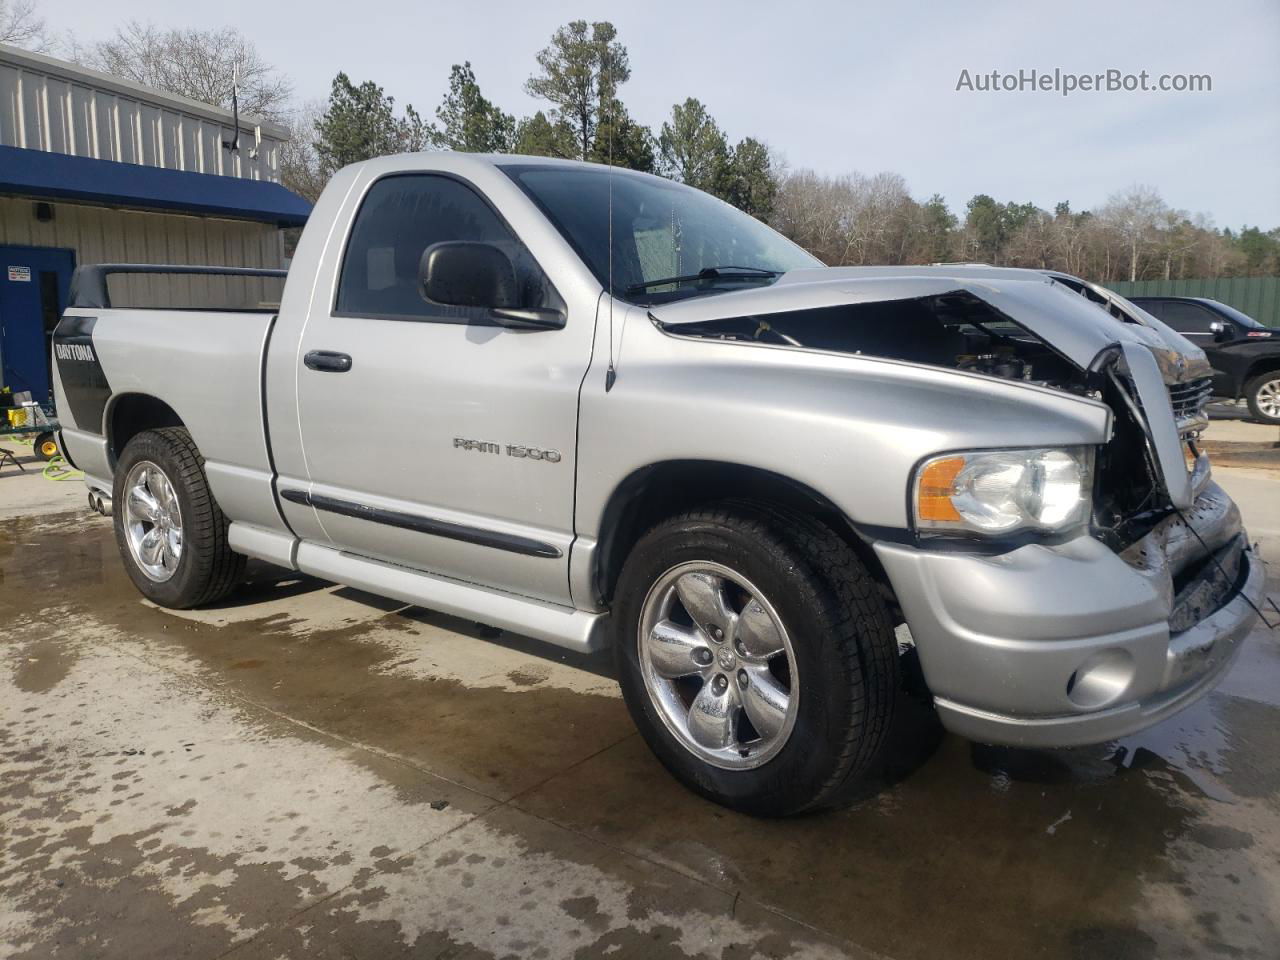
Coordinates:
column 955, row 330
column 961, row 332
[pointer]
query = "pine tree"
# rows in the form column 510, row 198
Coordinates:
column 470, row 122
column 579, row 74
column 360, row 123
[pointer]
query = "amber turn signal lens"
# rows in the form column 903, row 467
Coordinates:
column 936, row 484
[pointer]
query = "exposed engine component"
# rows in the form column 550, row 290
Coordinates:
column 1004, row 364
column 955, row 330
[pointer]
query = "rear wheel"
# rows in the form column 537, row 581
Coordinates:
column 756, row 657
column 1263, row 396
column 170, row 531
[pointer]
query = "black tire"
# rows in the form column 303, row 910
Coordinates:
column 46, row 446
column 1252, row 390
column 207, row 569
column 843, row 643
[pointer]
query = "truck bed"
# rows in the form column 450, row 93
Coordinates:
column 203, row 365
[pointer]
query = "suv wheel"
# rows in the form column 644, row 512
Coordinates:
column 170, row 531
column 1263, row 396
column 756, row 657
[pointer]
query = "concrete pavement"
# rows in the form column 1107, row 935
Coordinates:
column 25, row 491
column 309, row 771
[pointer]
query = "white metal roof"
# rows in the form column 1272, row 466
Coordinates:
column 51, row 105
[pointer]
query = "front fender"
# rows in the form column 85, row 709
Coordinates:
column 851, row 428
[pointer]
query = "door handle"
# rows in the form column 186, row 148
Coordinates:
column 328, row 361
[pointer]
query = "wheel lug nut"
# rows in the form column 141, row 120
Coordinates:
column 740, row 647
column 719, row 684
column 717, row 633
column 743, row 679
column 702, row 655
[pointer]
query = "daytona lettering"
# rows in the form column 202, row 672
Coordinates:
column 74, row 351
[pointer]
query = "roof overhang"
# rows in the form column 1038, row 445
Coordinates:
column 57, row 176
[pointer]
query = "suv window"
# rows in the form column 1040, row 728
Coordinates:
column 1153, row 307
column 399, row 218
column 1183, row 317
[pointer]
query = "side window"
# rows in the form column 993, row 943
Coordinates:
column 1154, row 307
column 1186, row 317
column 399, row 218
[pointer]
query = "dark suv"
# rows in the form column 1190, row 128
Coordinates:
column 1245, row 354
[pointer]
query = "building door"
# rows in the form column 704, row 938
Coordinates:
column 34, row 283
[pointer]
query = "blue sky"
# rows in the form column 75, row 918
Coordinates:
column 844, row 86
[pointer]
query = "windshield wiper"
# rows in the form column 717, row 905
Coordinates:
column 707, row 273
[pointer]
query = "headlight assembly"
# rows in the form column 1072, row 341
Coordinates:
column 995, row 492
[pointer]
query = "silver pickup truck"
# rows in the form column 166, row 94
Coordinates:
column 599, row 408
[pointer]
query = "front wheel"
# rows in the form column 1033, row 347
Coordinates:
column 756, row 657
column 1263, row 396
column 170, row 531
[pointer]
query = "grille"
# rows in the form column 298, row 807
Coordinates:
column 1189, row 400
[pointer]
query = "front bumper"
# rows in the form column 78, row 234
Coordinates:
column 1063, row 645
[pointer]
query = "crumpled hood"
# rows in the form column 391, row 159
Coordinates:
column 1180, row 360
column 1073, row 325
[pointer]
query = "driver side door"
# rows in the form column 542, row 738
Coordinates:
column 433, row 437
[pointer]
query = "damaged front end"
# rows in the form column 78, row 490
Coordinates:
column 1155, row 505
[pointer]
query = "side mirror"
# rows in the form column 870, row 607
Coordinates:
column 1219, row 330
column 463, row 273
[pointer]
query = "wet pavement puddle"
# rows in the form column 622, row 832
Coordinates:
column 310, row 771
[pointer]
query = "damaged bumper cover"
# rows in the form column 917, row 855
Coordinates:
column 1070, row 644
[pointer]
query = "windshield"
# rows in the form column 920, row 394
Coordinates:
column 661, row 229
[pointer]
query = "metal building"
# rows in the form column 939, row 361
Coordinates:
column 94, row 169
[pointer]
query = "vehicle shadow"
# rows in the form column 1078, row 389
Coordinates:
column 599, row 662
column 266, row 581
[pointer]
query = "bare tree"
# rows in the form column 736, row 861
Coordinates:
column 881, row 219
column 199, row 64
column 809, row 210
column 852, row 219
column 1035, row 243
column 21, row 26
column 300, row 167
column 1135, row 215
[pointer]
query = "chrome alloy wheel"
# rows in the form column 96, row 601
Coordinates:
column 718, row 665
column 1268, row 398
column 152, row 521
